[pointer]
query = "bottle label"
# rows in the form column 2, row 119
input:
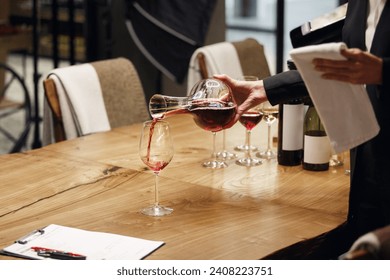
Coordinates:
column 293, row 117
column 317, row 149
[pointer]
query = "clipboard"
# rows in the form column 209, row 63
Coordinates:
column 72, row 241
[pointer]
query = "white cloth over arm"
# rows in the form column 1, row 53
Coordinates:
column 344, row 108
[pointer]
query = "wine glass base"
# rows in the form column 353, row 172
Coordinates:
column 248, row 181
column 268, row 154
column 244, row 148
column 248, row 162
column 335, row 163
column 226, row 155
column 156, row 211
column 215, row 164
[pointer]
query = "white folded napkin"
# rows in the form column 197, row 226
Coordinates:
column 221, row 58
column 81, row 100
column 344, row 108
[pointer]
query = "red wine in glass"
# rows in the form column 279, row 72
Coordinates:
column 250, row 119
column 156, row 151
column 155, row 166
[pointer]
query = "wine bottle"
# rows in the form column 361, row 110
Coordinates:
column 290, row 130
column 317, row 149
column 290, row 133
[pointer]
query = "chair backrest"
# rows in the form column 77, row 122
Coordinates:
column 221, row 58
column 252, row 58
column 122, row 92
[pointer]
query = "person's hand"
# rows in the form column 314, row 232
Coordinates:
column 247, row 94
column 359, row 68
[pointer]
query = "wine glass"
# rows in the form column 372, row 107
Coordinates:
column 336, row 159
column 270, row 115
column 156, row 151
column 249, row 120
column 212, row 106
column 244, row 147
column 215, row 161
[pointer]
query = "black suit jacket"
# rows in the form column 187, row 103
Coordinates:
column 369, row 204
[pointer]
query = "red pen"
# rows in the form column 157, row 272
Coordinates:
column 57, row 254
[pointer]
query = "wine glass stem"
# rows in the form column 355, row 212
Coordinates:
column 156, row 199
column 269, row 138
column 214, row 155
column 224, row 140
column 248, row 143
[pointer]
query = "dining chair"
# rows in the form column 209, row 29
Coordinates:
column 236, row 59
column 92, row 97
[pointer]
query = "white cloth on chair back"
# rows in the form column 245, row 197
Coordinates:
column 222, row 58
column 81, row 100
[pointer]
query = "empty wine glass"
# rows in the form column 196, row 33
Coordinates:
column 156, row 151
column 225, row 154
column 244, row 147
column 249, row 120
column 336, row 159
column 215, row 162
column 270, row 115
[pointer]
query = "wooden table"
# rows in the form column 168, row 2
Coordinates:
column 99, row 183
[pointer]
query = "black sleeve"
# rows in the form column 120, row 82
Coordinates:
column 386, row 74
column 284, row 86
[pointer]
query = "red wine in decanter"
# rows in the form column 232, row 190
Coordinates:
column 207, row 114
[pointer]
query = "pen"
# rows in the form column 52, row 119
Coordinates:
column 57, row 254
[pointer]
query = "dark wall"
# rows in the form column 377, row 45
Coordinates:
column 216, row 33
column 107, row 37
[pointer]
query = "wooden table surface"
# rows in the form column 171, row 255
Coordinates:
column 99, row 183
